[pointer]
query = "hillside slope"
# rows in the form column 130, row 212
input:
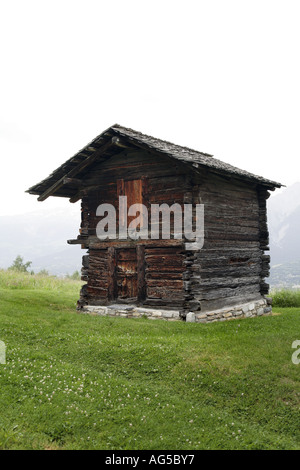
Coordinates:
column 284, row 227
column 41, row 237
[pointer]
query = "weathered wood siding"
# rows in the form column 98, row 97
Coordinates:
column 164, row 268
column 229, row 269
column 149, row 273
column 231, row 266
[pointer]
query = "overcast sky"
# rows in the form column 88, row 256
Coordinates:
column 218, row 76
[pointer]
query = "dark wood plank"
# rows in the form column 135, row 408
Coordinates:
column 141, row 271
column 111, row 272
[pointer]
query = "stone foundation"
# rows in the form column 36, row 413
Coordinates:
column 251, row 309
column 132, row 311
column 247, row 310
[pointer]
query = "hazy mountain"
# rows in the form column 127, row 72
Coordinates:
column 284, row 227
column 41, row 237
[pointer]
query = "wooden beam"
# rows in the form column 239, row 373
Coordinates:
column 74, row 181
column 94, row 242
column 58, row 184
column 78, row 195
column 82, row 192
column 119, row 142
column 141, row 269
column 77, row 241
column 111, row 274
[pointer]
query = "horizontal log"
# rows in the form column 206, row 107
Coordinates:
column 214, row 304
column 158, row 303
column 95, row 243
column 228, row 292
column 156, row 276
column 73, row 181
column 164, row 294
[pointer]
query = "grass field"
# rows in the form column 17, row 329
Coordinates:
column 286, row 297
column 76, row 381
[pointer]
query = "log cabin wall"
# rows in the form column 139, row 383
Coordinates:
column 229, row 269
column 147, row 272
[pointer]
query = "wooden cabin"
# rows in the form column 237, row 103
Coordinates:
column 163, row 278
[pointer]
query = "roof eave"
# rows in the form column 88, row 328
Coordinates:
column 88, row 154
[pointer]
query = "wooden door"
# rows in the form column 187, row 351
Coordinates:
column 134, row 191
column 126, row 274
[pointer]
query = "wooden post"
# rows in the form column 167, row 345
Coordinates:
column 111, row 273
column 141, row 282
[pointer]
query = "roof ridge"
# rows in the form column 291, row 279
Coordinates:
column 118, row 126
column 210, row 162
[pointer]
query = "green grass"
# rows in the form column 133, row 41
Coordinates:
column 75, row 381
column 286, row 297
